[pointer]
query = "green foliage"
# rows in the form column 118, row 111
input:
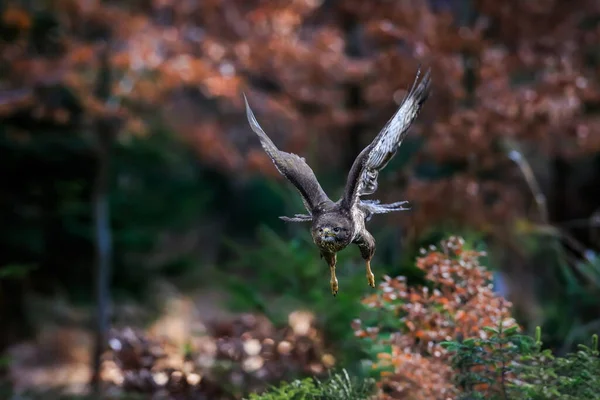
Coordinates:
column 15, row 271
column 509, row 365
column 567, row 287
column 157, row 188
column 575, row 376
column 338, row 386
column 276, row 276
column 484, row 365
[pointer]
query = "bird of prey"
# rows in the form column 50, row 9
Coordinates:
column 337, row 224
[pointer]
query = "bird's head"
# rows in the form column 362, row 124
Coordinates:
column 332, row 231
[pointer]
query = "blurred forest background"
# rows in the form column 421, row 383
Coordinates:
column 131, row 179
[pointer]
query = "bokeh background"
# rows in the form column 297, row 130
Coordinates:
column 130, row 177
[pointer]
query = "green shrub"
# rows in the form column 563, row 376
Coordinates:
column 509, row 365
column 338, row 386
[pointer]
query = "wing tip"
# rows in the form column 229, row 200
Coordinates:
column 252, row 118
column 248, row 109
column 265, row 141
column 421, row 91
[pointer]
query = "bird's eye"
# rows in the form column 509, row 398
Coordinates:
column 336, row 229
column 320, row 229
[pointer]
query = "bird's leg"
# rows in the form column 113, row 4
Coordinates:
column 370, row 275
column 331, row 259
column 366, row 244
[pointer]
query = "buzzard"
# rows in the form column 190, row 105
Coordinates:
column 337, row 224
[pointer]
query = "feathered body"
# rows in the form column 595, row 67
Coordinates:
column 337, row 224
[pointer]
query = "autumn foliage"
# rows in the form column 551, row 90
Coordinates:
column 458, row 302
column 318, row 71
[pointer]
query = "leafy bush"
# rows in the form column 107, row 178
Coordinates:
column 339, row 386
column 508, row 365
column 453, row 337
column 406, row 325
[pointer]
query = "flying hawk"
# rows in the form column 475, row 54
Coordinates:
column 337, row 224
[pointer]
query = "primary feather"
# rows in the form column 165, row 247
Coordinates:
column 362, row 179
column 292, row 167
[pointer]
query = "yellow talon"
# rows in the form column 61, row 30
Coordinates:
column 334, row 286
column 370, row 276
column 371, row 280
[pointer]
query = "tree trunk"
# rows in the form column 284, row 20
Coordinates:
column 104, row 130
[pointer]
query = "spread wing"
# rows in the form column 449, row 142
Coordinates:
column 362, row 179
column 293, row 167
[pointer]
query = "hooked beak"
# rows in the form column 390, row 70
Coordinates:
column 327, row 233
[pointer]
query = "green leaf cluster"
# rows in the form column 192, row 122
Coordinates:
column 338, row 386
column 509, row 365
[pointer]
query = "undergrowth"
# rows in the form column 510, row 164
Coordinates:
column 508, row 365
column 338, row 386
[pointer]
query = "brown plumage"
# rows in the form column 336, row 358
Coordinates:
column 337, row 224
